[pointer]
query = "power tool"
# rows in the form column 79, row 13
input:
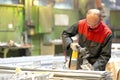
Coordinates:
column 78, row 59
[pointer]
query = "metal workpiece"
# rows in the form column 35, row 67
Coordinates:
column 45, row 68
column 22, row 75
column 29, row 68
column 48, row 74
column 48, row 61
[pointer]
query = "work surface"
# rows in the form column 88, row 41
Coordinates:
column 5, row 48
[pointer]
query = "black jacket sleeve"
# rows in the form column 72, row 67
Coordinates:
column 105, row 55
column 67, row 34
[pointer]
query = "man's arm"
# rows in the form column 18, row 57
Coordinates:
column 67, row 34
column 105, row 55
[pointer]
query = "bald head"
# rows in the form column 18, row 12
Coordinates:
column 94, row 11
column 93, row 17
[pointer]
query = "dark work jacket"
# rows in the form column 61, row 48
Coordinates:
column 98, row 41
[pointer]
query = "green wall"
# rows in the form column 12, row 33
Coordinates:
column 114, row 18
column 73, row 17
column 11, row 22
column 45, row 28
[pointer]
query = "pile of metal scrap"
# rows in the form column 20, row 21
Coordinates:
column 45, row 68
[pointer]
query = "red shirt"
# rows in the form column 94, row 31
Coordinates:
column 96, row 35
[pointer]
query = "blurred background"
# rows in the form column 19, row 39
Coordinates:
column 37, row 24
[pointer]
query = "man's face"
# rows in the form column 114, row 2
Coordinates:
column 92, row 20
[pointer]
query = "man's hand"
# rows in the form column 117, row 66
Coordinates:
column 74, row 46
column 84, row 50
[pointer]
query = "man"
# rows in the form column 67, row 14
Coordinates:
column 93, row 34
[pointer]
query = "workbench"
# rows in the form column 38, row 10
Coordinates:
column 5, row 50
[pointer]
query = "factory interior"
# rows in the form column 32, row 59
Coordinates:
column 31, row 46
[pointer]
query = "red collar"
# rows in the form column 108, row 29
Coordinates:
column 97, row 29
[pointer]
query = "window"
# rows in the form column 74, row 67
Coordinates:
column 60, row 4
column 61, row 20
column 9, row 1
